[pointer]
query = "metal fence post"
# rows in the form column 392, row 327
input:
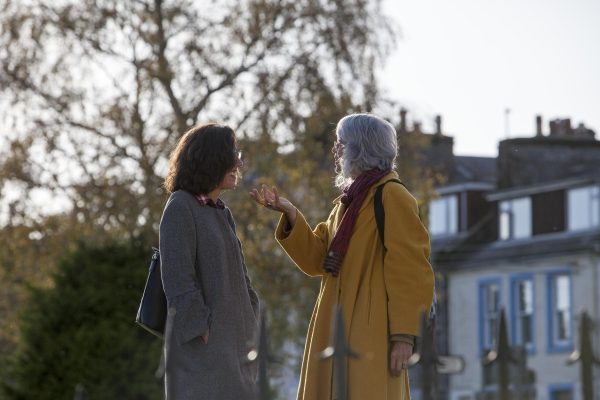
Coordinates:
column 585, row 356
column 503, row 357
column 426, row 357
column 263, row 349
column 339, row 351
column 79, row 392
column 506, row 368
column 431, row 363
column 263, row 354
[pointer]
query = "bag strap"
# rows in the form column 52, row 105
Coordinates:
column 380, row 211
column 380, row 220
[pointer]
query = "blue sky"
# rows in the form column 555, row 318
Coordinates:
column 470, row 60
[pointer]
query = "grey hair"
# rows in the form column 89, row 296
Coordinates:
column 370, row 142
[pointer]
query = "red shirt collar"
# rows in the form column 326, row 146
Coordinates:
column 204, row 200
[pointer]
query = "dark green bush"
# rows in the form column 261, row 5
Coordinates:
column 82, row 331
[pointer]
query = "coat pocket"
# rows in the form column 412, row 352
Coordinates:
column 192, row 317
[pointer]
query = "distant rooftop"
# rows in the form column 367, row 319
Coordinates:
column 559, row 152
column 461, row 254
column 474, row 169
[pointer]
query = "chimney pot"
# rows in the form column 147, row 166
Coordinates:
column 538, row 125
column 553, row 127
column 438, row 125
column 567, row 126
column 403, row 113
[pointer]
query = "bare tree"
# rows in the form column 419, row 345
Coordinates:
column 98, row 91
column 94, row 94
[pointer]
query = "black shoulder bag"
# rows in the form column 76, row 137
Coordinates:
column 152, row 313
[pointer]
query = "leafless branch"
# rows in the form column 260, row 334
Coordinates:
column 164, row 74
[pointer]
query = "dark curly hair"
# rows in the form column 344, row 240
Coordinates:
column 202, row 157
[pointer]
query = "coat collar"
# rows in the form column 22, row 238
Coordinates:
column 391, row 175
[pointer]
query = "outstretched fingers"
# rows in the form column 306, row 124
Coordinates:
column 257, row 197
column 265, row 197
column 265, row 193
column 276, row 196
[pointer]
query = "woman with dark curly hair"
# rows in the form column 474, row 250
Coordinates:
column 213, row 309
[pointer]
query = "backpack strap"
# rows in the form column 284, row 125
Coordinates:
column 380, row 211
column 380, row 221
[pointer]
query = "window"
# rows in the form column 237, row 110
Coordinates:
column 522, row 311
column 584, row 207
column 560, row 328
column 458, row 395
column 561, row 392
column 515, row 218
column 443, row 216
column 489, row 313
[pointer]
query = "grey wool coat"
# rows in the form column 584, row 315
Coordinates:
column 207, row 287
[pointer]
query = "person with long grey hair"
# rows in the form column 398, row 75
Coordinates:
column 381, row 284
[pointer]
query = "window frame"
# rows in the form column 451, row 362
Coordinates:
column 482, row 320
column 515, row 313
column 555, row 345
column 449, row 208
column 552, row 389
column 593, row 199
column 507, row 208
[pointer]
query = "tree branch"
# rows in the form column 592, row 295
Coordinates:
column 230, row 78
column 164, row 75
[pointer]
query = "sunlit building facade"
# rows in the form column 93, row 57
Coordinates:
column 519, row 233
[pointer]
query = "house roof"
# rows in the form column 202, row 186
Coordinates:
column 462, row 255
column 473, row 169
column 542, row 187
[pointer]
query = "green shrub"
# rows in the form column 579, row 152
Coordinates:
column 82, row 331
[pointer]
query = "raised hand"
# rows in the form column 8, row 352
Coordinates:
column 269, row 198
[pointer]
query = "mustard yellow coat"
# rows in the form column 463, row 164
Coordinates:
column 379, row 295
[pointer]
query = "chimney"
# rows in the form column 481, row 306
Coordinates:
column 417, row 126
column 583, row 132
column 403, row 120
column 568, row 129
column 561, row 127
column 553, row 128
column 438, row 125
column 538, row 126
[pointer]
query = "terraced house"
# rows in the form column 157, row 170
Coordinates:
column 519, row 233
